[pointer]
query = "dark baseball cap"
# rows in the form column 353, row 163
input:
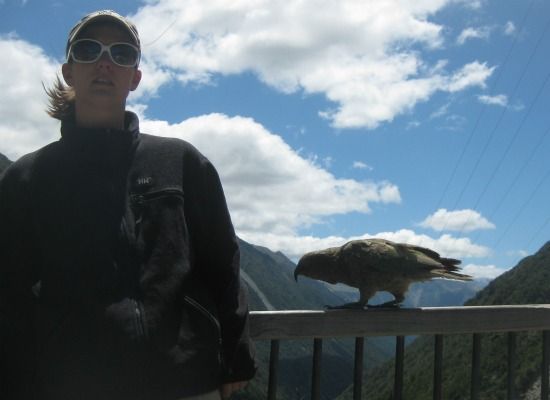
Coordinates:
column 103, row 15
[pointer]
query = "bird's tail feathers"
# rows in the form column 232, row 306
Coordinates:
column 450, row 263
column 454, row 276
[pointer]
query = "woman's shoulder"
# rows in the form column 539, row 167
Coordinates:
column 177, row 144
column 25, row 164
column 170, row 147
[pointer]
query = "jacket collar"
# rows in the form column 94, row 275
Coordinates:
column 70, row 131
column 101, row 146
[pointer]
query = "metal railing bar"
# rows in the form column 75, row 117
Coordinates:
column 512, row 360
column 438, row 368
column 300, row 324
column 358, row 368
column 399, row 362
column 476, row 367
column 273, row 370
column 316, row 370
column 545, row 370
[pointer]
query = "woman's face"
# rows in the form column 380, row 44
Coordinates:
column 102, row 83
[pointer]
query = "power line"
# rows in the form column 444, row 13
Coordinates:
column 499, row 164
column 482, row 112
column 480, row 115
column 538, row 231
column 520, row 172
column 161, row 34
column 509, row 147
column 523, row 207
column 491, row 136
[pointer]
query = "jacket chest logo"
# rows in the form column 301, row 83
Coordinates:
column 143, row 182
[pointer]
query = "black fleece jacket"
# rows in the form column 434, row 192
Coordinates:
column 119, row 274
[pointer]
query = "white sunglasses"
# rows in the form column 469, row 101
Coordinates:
column 88, row 51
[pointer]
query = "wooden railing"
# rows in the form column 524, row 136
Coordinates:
column 289, row 325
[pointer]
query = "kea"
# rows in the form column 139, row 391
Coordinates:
column 373, row 265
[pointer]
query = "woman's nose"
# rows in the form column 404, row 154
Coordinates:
column 105, row 60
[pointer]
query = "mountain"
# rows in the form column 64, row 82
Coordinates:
column 4, row 162
column 527, row 283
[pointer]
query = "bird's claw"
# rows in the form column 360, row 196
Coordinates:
column 393, row 304
column 388, row 304
column 348, row 306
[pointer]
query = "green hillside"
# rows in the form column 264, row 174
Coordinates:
column 527, row 283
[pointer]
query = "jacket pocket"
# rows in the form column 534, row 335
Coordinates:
column 200, row 334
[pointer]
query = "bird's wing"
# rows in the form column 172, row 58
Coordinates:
column 382, row 256
column 427, row 252
column 429, row 256
column 376, row 256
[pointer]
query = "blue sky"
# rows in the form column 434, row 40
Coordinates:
column 424, row 122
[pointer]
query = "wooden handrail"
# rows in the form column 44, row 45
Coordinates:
column 301, row 324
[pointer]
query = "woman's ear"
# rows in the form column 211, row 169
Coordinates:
column 135, row 80
column 67, row 71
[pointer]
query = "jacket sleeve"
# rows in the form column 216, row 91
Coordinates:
column 17, row 276
column 218, row 257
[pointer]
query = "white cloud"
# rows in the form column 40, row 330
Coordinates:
column 24, row 124
column 459, row 220
column 361, row 58
column 269, row 187
column 294, row 246
column 472, row 74
column 153, row 77
column 327, row 162
column 509, row 28
column 446, row 245
column 498, row 100
column 471, row 4
column 473, row 33
column 413, row 124
column 361, row 165
column 483, row 271
column 441, row 111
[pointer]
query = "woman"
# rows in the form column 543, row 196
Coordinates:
column 119, row 276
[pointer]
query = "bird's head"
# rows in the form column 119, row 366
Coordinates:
column 316, row 265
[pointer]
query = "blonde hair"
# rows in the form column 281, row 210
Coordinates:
column 61, row 100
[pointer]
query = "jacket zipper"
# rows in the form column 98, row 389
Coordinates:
column 139, row 199
column 193, row 303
